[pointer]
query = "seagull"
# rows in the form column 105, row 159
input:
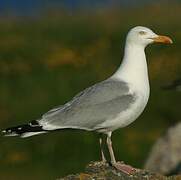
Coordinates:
column 108, row 105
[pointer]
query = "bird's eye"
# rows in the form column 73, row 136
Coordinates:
column 142, row 32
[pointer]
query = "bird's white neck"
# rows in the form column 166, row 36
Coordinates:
column 133, row 68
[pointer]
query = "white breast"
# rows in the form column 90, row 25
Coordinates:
column 127, row 117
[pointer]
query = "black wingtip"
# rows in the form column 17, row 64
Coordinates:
column 8, row 132
column 3, row 132
column 32, row 127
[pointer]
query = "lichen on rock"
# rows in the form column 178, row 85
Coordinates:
column 102, row 171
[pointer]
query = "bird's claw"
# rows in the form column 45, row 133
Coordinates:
column 127, row 169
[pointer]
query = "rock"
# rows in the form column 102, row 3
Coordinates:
column 165, row 156
column 102, row 171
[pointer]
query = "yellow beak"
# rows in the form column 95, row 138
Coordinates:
column 162, row 39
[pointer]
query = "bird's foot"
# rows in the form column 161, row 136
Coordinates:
column 127, row 169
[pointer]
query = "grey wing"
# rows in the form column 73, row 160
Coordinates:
column 91, row 107
column 55, row 109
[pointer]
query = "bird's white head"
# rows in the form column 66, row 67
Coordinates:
column 143, row 36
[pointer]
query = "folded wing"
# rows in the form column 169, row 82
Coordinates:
column 91, row 107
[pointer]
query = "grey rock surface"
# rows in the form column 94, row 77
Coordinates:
column 102, row 171
column 165, row 156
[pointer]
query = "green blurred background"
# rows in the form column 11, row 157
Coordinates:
column 50, row 53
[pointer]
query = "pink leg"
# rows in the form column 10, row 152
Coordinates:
column 118, row 165
column 102, row 152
